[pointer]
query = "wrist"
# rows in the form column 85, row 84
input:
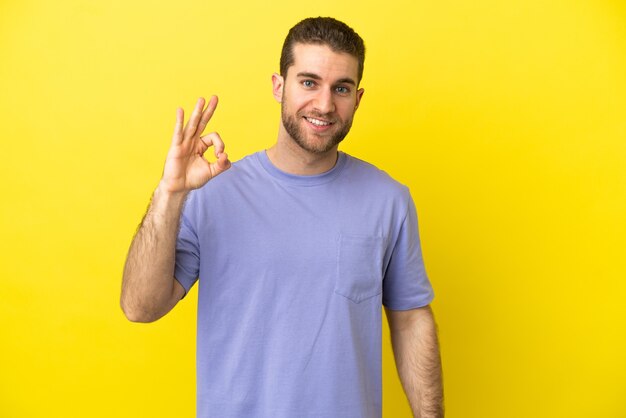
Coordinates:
column 165, row 190
column 166, row 199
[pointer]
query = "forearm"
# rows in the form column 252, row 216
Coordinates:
column 148, row 280
column 416, row 351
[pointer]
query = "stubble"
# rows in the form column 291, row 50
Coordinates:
column 316, row 144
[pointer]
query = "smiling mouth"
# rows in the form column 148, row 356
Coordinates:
column 318, row 122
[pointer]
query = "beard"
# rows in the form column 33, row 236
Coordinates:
column 293, row 126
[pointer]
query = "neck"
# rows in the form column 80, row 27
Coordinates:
column 289, row 157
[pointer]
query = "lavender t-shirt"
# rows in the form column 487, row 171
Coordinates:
column 293, row 271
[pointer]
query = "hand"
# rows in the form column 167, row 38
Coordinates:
column 185, row 165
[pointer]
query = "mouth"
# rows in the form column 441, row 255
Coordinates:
column 320, row 123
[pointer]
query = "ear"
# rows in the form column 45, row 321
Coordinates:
column 278, row 82
column 359, row 95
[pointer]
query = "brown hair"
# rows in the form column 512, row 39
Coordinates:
column 323, row 31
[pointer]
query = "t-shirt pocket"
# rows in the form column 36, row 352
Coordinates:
column 359, row 267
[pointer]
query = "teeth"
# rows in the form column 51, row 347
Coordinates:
column 318, row 122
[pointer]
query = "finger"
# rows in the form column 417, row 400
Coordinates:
column 190, row 129
column 202, row 146
column 222, row 164
column 207, row 114
column 206, row 141
column 177, row 137
column 214, row 139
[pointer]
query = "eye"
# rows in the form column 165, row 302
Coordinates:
column 308, row 83
column 342, row 90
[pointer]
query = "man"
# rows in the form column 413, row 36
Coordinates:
column 295, row 249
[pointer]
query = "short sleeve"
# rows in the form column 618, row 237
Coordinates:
column 406, row 285
column 187, row 249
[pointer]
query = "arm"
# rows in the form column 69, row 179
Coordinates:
column 149, row 289
column 416, row 351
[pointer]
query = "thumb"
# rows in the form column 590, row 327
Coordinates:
column 222, row 164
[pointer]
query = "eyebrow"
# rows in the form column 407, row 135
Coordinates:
column 314, row 76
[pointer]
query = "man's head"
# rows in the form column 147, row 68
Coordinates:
column 321, row 66
column 323, row 31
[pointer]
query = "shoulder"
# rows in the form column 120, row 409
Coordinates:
column 242, row 172
column 246, row 168
column 373, row 179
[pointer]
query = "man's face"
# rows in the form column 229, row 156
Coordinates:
column 318, row 97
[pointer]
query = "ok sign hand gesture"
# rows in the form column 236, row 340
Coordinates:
column 185, row 166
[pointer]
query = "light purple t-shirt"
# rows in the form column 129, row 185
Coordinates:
column 293, row 271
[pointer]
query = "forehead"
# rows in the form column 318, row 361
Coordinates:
column 323, row 61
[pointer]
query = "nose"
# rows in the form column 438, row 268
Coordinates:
column 324, row 102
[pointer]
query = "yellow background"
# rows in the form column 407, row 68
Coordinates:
column 507, row 119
